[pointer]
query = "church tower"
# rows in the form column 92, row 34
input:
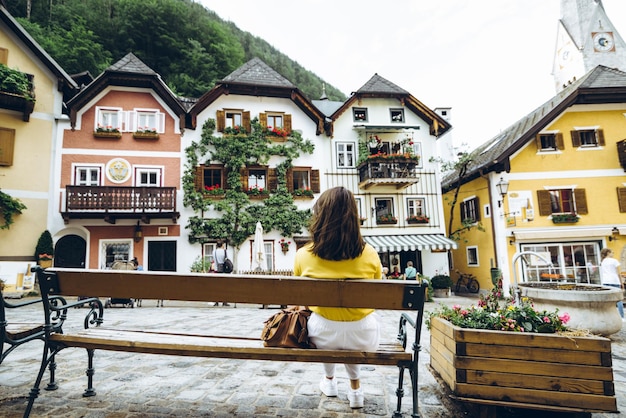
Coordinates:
column 586, row 38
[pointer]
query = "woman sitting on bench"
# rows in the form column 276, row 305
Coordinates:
column 338, row 251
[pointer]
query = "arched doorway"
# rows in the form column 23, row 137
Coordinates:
column 70, row 251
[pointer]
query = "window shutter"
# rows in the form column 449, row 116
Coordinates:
column 287, row 126
column 272, row 180
column 224, row 178
column 220, row 121
column 245, row 120
column 580, row 198
column 538, row 142
column 463, row 207
column 575, row 139
column 559, row 141
column 545, row 206
column 161, row 123
column 600, row 137
column 476, row 209
column 621, row 198
column 315, row 181
column 263, row 119
column 120, row 119
column 199, row 179
column 289, row 179
column 129, row 121
column 7, row 146
column 4, row 56
column 244, row 173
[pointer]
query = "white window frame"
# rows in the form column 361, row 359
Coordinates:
column 231, row 116
column 391, row 207
column 476, row 209
column 149, row 171
column 253, row 180
column 342, row 150
column 87, row 169
column 112, row 117
column 140, row 119
column 268, row 247
column 469, row 251
column 104, row 244
column 411, row 208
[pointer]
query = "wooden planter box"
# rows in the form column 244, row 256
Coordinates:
column 145, row 135
column 114, row 135
column 524, row 370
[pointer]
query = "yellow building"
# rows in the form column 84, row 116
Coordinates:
column 28, row 126
column 553, row 183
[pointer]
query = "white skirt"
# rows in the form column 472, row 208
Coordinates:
column 344, row 335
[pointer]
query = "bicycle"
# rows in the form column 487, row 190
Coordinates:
column 469, row 281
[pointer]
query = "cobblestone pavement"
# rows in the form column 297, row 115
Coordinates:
column 146, row 385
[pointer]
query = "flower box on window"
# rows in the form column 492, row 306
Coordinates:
column 107, row 134
column 214, row 192
column 303, row 193
column 565, row 218
column 417, row 219
column 257, row 192
column 386, row 220
column 145, row 135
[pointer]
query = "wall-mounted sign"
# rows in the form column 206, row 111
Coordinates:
column 118, row 170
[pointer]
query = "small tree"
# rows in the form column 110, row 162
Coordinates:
column 44, row 245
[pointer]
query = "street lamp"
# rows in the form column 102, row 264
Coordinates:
column 503, row 188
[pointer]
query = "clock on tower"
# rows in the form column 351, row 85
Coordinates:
column 603, row 41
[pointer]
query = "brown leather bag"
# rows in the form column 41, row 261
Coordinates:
column 287, row 328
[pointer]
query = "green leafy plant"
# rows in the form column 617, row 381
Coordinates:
column 44, row 249
column 145, row 130
column 200, row 265
column 277, row 132
column 303, row 192
column 15, row 82
column 494, row 313
column 214, row 190
column 235, row 130
column 441, row 281
column 9, row 207
column 257, row 191
column 107, row 128
column 565, row 218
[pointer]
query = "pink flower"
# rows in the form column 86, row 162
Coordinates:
column 546, row 319
column 564, row 318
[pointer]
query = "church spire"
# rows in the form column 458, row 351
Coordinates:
column 586, row 38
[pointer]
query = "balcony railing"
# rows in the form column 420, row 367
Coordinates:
column 398, row 171
column 112, row 202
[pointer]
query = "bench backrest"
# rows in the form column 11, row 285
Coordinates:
column 258, row 289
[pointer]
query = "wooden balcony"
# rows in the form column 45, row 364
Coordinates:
column 399, row 172
column 111, row 203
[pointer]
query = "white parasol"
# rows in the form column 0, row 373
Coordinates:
column 258, row 250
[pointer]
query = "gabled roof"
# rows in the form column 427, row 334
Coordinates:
column 600, row 85
column 256, row 78
column 379, row 87
column 66, row 84
column 130, row 71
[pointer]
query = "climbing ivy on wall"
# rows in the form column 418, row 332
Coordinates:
column 9, row 207
column 238, row 214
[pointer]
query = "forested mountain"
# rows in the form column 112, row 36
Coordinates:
column 188, row 45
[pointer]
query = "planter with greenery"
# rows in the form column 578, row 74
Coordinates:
column 386, row 220
column 441, row 284
column 565, row 218
column 418, row 219
column 44, row 251
column 509, row 354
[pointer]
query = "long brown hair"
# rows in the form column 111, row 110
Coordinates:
column 335, row 227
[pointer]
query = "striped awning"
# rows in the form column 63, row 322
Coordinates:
column 410, row 242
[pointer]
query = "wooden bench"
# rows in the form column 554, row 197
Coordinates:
column 253, row 289
column 13, row 334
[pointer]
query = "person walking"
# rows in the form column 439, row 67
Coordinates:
column 410, row 273
column 338, row 251
column 219, row 255
column 610, row 274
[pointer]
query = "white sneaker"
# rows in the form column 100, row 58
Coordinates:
column 355, row 396
column 328, row 386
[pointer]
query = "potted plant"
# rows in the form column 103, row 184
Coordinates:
column 441, row 285
column 256, row 191
column 386, row 219
column 565, row 218
column 418, row 219
column 507, row 352
column 44, row 250
column 146, row 133
column 107, row 132
column 303, row 192
column 214, row 192
column 284, row 245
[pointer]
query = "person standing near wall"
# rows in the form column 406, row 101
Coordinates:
column 219, row 255
column 610, row 274
column 410, row 273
